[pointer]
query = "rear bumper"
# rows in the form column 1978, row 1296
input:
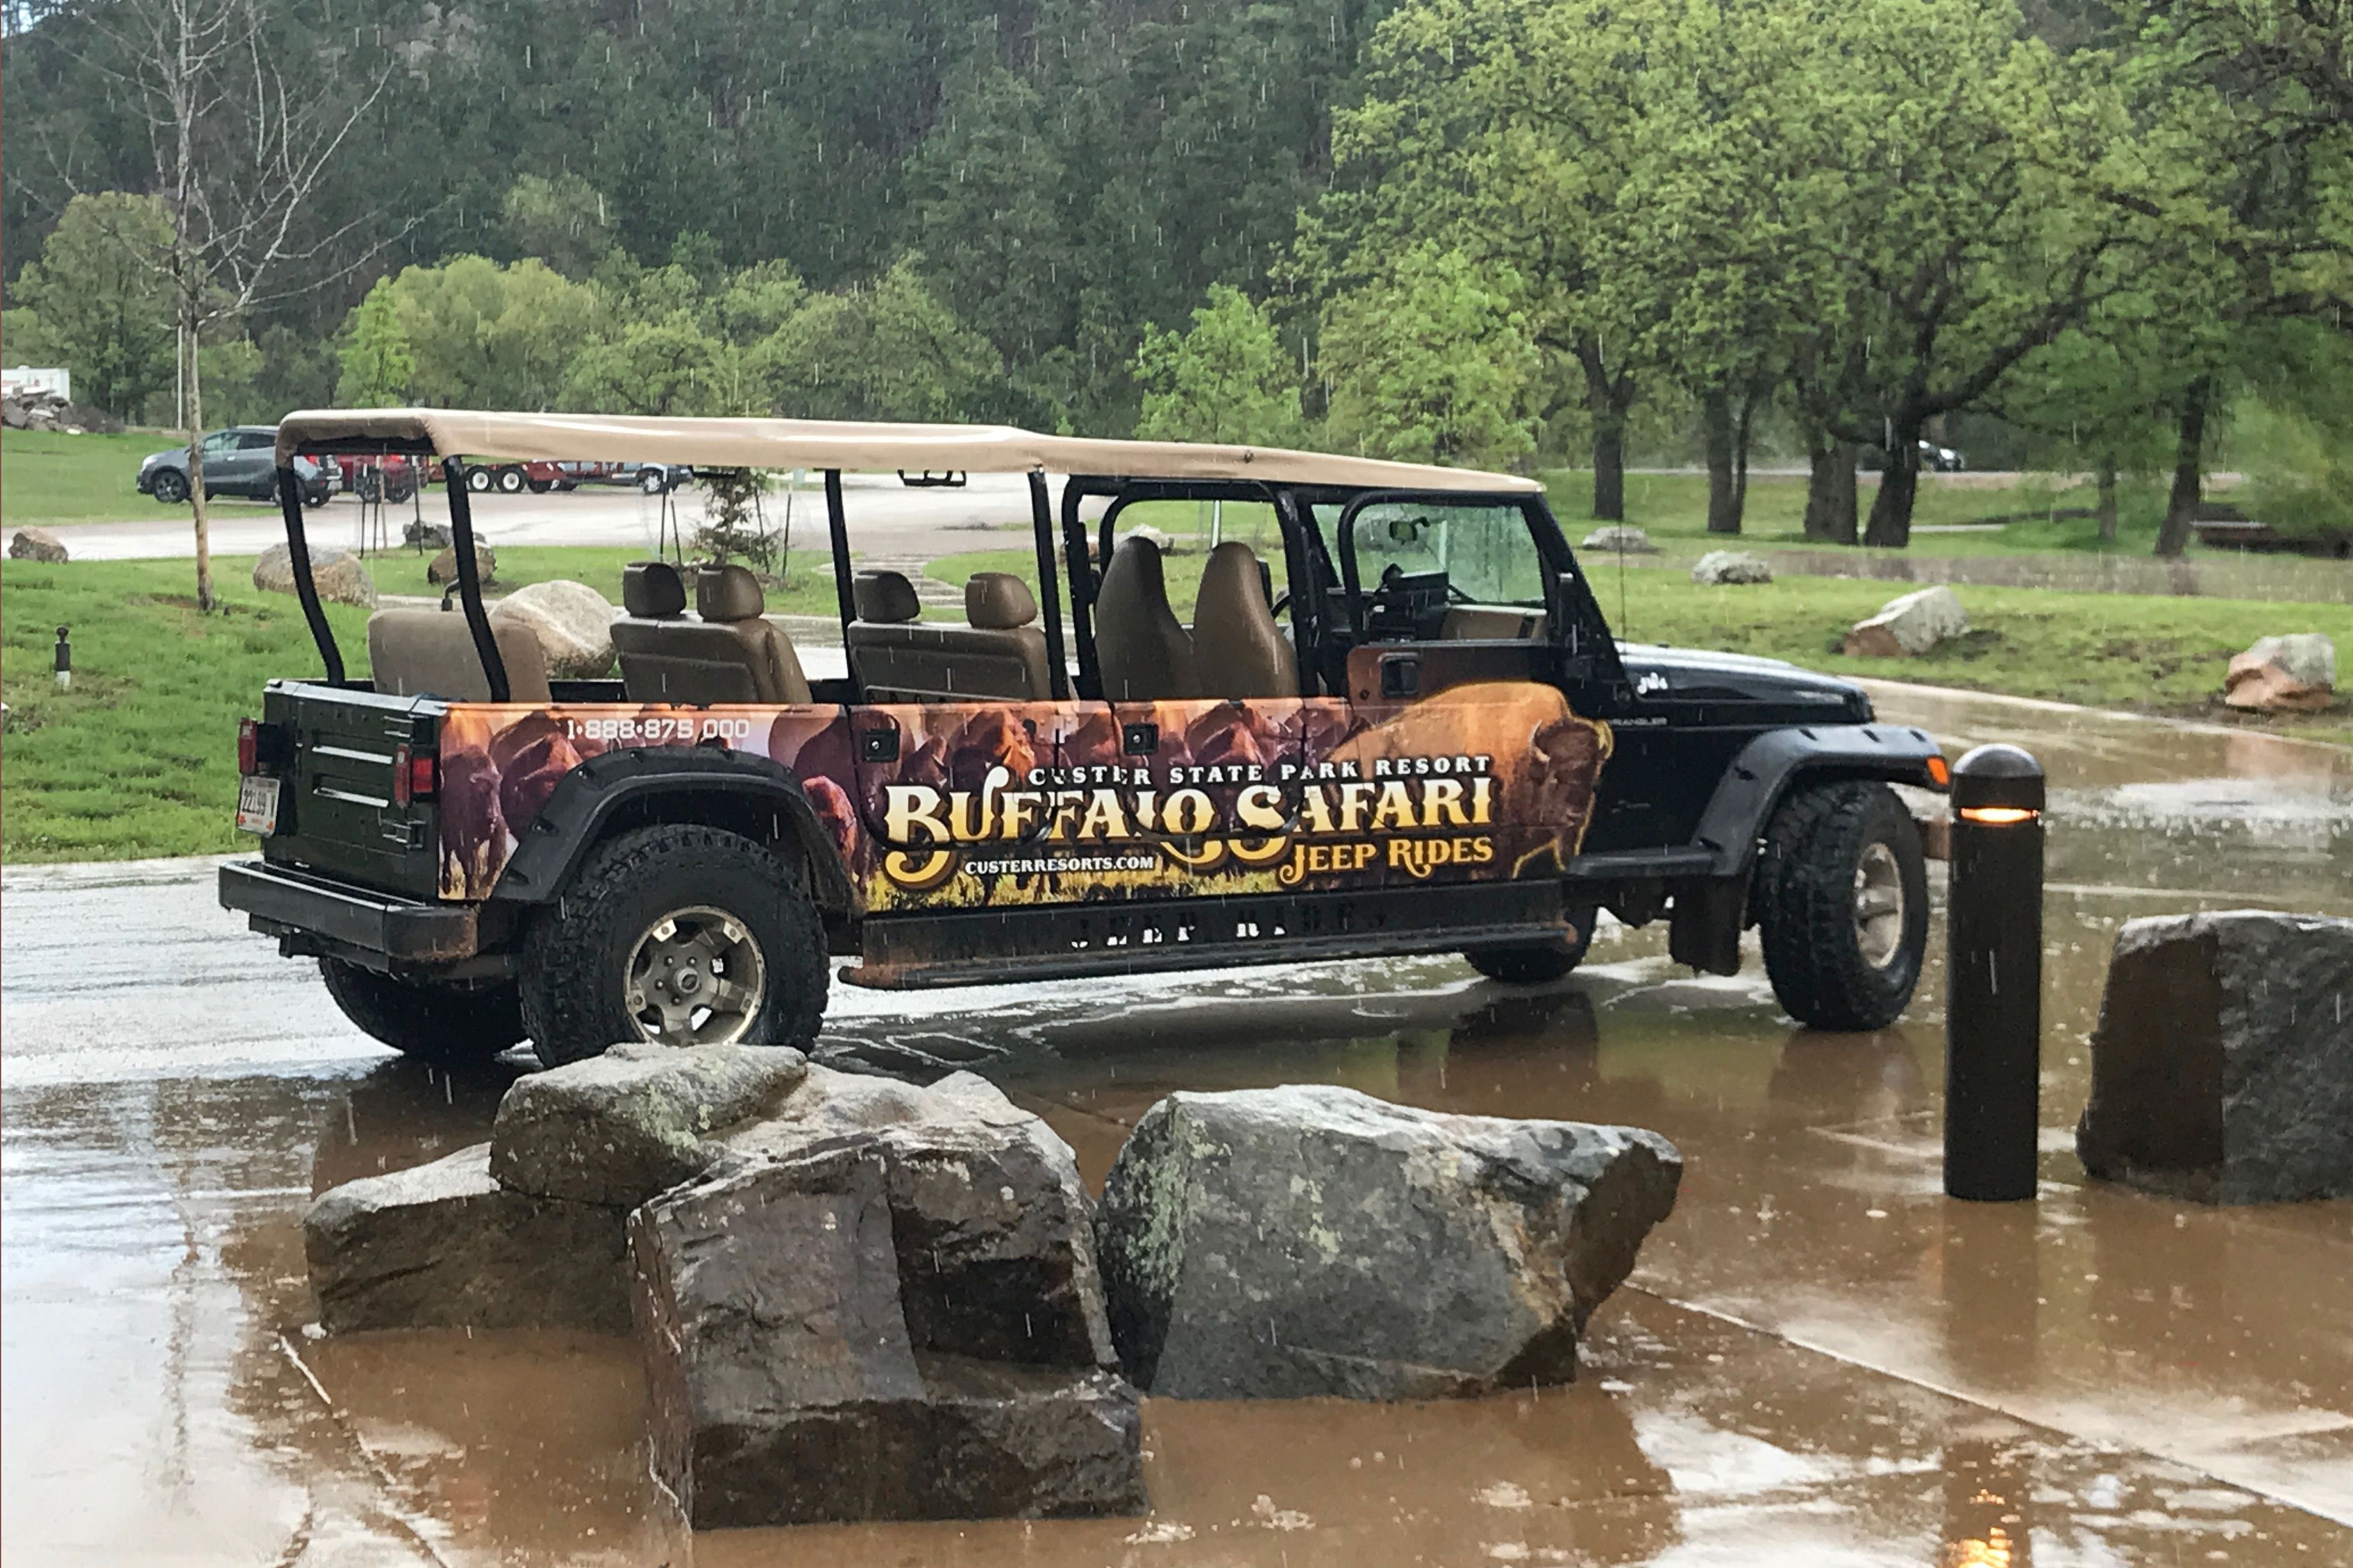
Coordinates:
column 321, row 916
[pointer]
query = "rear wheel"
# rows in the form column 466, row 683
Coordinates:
column 169, row 486
column 1842, row 898
column 679, row 934
column 431, row 1020
column 540, row 487
column 510, row 481
column 479, row 480
column 652, row 482
column 1536, row 963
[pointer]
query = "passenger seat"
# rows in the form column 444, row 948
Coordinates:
column 653, row 598
column 731, row 655
column 431, row 653
column 1000, row 655
column 1144, row 652
column 1239, row 647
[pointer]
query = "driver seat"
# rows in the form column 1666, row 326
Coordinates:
column 1143, row 650
column 1238, row 649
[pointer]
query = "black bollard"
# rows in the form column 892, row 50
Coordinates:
column 1993, row 977
column 64, row 661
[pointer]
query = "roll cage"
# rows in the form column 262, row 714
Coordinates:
column 1295, row 483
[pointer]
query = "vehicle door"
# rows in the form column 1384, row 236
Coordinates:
column 253, row 464
column 1470, row 759
column 221, row 455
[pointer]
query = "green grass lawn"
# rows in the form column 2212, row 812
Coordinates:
column 1673, row 508
column 46, row 478
column 140, row 757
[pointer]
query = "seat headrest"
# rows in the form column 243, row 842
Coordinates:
column 728, row 594
column 999, row 602
column 652, row 590
column 885, row 596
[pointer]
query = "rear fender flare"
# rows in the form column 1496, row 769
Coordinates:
column 623, row 789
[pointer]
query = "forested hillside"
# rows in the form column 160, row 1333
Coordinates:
column 1069, row 171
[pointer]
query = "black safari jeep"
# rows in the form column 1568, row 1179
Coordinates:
column 1396, row 723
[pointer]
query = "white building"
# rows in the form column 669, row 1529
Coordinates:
column 24, row 378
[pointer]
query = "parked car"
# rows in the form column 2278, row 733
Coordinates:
column 1939, row 459
column 237, row 462
column 1427, row 741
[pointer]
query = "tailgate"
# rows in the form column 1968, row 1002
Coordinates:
column 337, row 811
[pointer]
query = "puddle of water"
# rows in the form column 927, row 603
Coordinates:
column 1822, row 1361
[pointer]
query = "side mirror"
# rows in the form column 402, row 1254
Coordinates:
column 1406, row 530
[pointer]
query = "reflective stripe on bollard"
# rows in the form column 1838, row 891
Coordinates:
column 1993, row 972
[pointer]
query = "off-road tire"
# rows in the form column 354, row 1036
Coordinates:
column 432, row 1021
column 577, row 950
column 1807, row 905
column 1536, row 963
column 169, row 486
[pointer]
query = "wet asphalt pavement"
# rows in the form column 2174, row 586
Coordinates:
column 1820, row 1361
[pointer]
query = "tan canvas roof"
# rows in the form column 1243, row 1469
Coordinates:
column 850, row 444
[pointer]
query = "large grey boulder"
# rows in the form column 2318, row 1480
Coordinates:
column 2296, row 673
column 1908, row 626
column 37, row 544
column 572, row 622
column 1719, row 568
column 788, row 1387
column 620, row 1126
column 1315, row 1241
column 444, row 1246
column 1620, row 538
column 2223, row 1063
column 442, row 572
column 338, row 574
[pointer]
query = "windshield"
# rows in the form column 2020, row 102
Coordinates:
column 1485, row 551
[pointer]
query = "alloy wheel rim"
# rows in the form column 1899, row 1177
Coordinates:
column 695, row 977
column 1878, row 906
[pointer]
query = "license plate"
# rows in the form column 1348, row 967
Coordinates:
column 257, row 806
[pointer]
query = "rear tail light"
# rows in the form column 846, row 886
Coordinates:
column 249, row 746
column 415, row 775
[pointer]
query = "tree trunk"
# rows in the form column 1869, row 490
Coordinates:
column 1740, row 460
column 1609, row 465
column 2106, row 509
column 1715, row 424
column 2189, row 460
column 1891, row 512
column 1829, row 489
column 205, row 600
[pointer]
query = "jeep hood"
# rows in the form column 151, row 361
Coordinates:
column 1701, row 675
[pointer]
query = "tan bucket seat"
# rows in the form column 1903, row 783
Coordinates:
column 1144, row 652
column 1238, row 649
column 431, row 653
column 653, row 597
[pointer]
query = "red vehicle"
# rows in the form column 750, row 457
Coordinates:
column 391, row 478
column 539, row 478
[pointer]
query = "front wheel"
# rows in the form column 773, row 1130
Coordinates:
column 679, row 934
column 1844, row 904
column 169, row 486
column 652, row 482
column 434, row 1021
column 1537, row 962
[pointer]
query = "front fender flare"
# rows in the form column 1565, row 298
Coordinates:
column 669, row 781
column 1770, row 765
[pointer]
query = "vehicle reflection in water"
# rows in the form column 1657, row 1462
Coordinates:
column 1820, row 1360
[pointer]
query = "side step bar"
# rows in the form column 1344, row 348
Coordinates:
column 907, row 953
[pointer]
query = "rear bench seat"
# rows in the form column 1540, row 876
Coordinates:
column 999, row 656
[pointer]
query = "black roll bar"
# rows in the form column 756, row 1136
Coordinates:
column 1041, row 527
column 1082, row 588
column 298, row 559
column 837, row 524
column 470, row 581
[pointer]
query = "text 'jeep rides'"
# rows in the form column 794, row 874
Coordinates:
column 1425, row 740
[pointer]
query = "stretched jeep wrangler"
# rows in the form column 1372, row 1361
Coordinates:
column 1404, row 729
